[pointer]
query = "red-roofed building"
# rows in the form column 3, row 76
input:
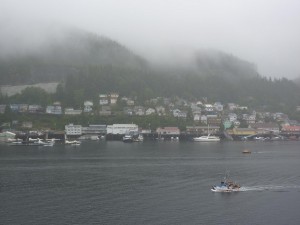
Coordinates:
column 290, row 129
column 168, row 130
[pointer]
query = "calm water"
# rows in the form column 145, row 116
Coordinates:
column 149, row 183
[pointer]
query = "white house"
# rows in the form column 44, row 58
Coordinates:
column 103, row 99
column 232, row 106
column 139, row 110
column 209, row 108
column 232, row 117
column 218, row 107
column 250, row 119
column 71, row 111
column 150, row 111
column 161, row 111
column 178, row 113
column 54, row 109
column 113, row 98
column 197, row 116
column 88, row 106
column 122, row 128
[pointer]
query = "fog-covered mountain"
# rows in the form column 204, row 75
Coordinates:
column 73, row 50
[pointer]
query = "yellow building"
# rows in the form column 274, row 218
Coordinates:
column 242, row 131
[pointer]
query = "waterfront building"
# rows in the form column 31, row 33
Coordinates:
column 242, row 131
column 73, row 130
column 168, row 131
column 94, row 129
column 122, row 128
column 263, row 128
column 196, row 130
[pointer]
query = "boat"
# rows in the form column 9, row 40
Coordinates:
column 49, row 143
column 6, row 136
column 29, row 142
column 208, row 138
column 139, row 138
column 75, row 142
column 226, row 185
column 127, row 138
column 247, row 151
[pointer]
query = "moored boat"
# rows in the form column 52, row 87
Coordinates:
column 128, row 138
column 75, row 142
column 208, row 138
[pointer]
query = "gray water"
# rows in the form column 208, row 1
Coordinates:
column 150, row 183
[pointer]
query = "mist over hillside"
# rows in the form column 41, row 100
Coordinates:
column 68, row 51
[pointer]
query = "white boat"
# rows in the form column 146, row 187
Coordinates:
column 208, row 138
column 127, row 138
column 75, row 142
column 226, row 185
column 29, row 142
column 139, row 138
column 6, row 136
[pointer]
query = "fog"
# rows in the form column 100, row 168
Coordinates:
column 265, row 33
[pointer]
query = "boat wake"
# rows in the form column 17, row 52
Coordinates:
column 269, row 188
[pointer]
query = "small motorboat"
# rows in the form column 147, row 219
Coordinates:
column 226, row 185
column 247, row 151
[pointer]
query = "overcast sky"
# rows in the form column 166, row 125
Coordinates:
column 265, row 32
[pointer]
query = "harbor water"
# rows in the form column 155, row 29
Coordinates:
column 111, row 182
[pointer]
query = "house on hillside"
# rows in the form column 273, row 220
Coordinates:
column 139, row 110
column 150, row 111
column 72, row 112
column 88, row 106
column 55, row 109
column 105, row 110
column 103, row 99
column 113, row 98
column 179, row 114
column 35, row 109
column 161, row 111
column 218, row 107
